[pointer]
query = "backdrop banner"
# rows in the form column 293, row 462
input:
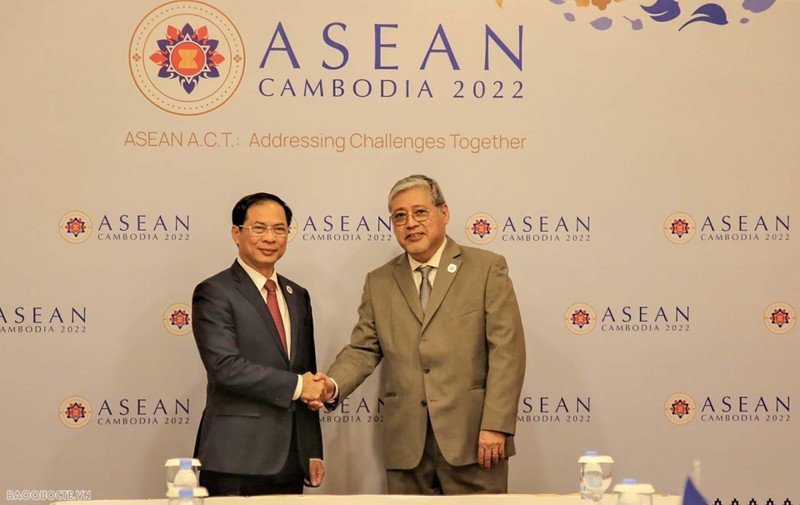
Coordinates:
column 636, row 162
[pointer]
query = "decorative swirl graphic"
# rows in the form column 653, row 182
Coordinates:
column 708, row 13
column 602, row 23
column 661, row 11
column 757, row 6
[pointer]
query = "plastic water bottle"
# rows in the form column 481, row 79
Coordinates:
column 185, row 477
column 186, row 496
column 181, row 472
column 595, row 475
column 629, row 492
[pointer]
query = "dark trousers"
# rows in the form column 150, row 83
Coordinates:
column 289, row 480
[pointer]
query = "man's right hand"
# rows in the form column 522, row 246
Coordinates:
column 313, row 388
column 327, row 394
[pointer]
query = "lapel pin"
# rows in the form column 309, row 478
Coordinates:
column 451, row 268
column 289, row 289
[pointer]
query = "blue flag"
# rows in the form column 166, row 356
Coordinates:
column 691, row 495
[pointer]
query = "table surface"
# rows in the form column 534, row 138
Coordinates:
column 507, row 499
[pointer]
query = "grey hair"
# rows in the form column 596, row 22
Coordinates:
column 417, row 181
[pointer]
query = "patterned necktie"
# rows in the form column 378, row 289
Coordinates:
column 424, row 286
column 272, row 304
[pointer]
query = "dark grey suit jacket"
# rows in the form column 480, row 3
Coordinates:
column 247, row 423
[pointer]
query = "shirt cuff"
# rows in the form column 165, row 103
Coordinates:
column 299, row 388
column 335, row 391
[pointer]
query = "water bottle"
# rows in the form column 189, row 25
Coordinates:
column 186, row 476
column 187, row 495
column 630, row 492
column 182, row 472
column 595, row 475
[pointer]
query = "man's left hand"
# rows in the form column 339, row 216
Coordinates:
column 491, row 448
column 317, row 471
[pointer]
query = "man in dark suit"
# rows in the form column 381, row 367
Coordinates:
column 255, row 335
column 444, row 320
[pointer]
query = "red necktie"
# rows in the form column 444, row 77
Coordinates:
column 272, row 304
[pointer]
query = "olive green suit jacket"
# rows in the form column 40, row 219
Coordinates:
column 462, row 362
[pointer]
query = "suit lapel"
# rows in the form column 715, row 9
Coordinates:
column 294, row 311
column 449, row 266
column 253, row 295
column 402, row 275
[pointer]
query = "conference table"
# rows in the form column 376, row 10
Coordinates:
column 507, row 499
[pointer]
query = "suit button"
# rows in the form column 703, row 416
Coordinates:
column 424, row 403
column 427, row 370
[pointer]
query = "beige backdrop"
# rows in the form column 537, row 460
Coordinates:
column 626, row 127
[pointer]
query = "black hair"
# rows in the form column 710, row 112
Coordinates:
column 239, row 213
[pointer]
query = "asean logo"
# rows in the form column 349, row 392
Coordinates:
column 75, row 412
column 680, row 409
column 580, row 318
column 292, row 230
column 178, row 319
column 481, row 228
column 186, row 58
column 75, row 227
column 679, row 228
column 780, row 318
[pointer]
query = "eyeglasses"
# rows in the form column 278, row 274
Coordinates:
column 259, row 230
column 400, row 218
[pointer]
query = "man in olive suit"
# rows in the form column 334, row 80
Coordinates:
column 444, row 320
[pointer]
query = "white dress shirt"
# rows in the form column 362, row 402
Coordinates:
column 259, row 280
column 434, row 262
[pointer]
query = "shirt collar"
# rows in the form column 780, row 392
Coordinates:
column 258, row 278
column 434, row 261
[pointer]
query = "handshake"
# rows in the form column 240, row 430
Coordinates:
column 318, row 389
